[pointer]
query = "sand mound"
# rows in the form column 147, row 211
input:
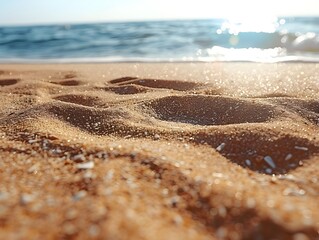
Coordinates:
column 84, row 100
column 150, row 158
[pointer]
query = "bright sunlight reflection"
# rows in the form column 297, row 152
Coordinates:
column 250, row 24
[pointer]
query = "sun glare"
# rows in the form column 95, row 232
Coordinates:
column 247, row 16
column 235, row 25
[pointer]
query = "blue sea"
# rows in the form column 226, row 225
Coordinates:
column 270, row 40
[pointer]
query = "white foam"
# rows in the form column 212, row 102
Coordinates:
column 308, row 42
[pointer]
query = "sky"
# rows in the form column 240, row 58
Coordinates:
column 27, row 12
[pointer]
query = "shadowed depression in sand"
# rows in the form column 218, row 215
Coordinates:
column 159, row 151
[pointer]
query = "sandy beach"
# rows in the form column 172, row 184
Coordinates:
column 159, row 151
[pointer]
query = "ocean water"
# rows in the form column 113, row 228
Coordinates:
column 269, row 40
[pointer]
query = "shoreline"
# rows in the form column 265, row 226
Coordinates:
column 128, row 60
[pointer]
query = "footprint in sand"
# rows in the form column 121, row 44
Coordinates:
column 127, row 89
column 131, row 85
column 209, row 110
column 264, row 154
column 250, row 149
column 70, row 82
column 165, row 84
column 271, row 153
column 8, row 82
column 122, row 79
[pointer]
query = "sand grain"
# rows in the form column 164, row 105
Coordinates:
column 159, row 151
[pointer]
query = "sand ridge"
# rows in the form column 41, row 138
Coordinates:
column 158, row 158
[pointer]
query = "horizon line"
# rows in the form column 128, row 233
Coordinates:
column 76, row 22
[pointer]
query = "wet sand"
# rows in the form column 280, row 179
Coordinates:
column 159, row 151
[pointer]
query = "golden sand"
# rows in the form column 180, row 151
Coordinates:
column 159, row 151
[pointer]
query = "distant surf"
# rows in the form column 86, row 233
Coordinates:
column 281, row 39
